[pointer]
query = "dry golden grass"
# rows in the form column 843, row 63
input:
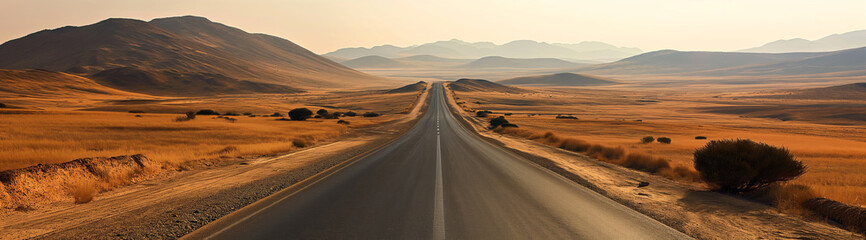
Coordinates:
column 835, row 154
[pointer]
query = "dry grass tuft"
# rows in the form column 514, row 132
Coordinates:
column 645, row 163
column 82, row 190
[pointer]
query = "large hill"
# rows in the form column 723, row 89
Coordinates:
column 481, row 85
column 685, row 63
column 516, row 49
column 560, row 80
column 835, row 42
column 175, row 50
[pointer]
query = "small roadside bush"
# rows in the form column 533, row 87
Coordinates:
column 322, row 112
column 300, row 114
column 130, row 111
column 645, row 163
column 498, row 121
column 371, row 114
column 743, row 165
column 574, row 145
column 664, row 140
column 276, row 114
column 300, row 143
column 350, row 114
column 647, row 139
column 207, row 112
column 700, row 138
column 482, row 113
column 605, row 153
column 343, row 122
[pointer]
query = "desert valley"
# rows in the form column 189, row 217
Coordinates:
column 172, row 127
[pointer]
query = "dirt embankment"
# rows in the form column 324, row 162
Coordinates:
column 170, row 204
column 700, row 214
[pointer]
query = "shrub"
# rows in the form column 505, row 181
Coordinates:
column 482, row 113
column 498, row 121
column 190, row 115
column 207, row 112
column 231, row 114
column 322, row 112
column 350, row 114
column 136, row 111
column 508, row 125
column 565, row 117
column 371, row 114
column 743, row 165
column 645, row 163
column 248, row 114
column 276, row 114
column 300, row 114
column 664, row 140
column 852, row 216
column 343, row 122
column 574, row 145
column 299, row 143
column 647, row 139
column 337, row 114
column 605, row 153
column 507, row 114
column 700, row 137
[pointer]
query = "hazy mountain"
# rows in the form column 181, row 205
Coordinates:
column 560, row 80
column 481, row 85
column 835, row 42
column 375, row 62
column 679, row 62
column 170, row 51
column 502, row 62
column 516, row 49
column 850, row 62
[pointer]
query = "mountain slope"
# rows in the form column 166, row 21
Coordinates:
column 42, row 83
column 679, row 62
column 560, row 80
column 849, row 62
column 183, row 46
column 835, row 42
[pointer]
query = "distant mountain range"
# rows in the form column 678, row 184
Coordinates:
column 560, row 80
column 835, row 42
column 851, row 62
column 179, row 56
column 585, row 51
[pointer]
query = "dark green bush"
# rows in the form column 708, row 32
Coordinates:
column 300, row 114
column 743, row 165
column 647, row 139
column 276, row 114
column 371, row 114
column 482, row 113
column 322, row 112
column 664, row 140
column 350, row 114
column 207, row 112
column 498, row 121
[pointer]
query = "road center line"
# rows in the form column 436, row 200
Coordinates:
column 438, row 205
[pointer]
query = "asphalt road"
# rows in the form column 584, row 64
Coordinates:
column 438, row 181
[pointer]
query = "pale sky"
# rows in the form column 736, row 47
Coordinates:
column 326, row 25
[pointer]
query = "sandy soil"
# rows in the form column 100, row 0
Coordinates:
column 701, row 214
column 173, row 204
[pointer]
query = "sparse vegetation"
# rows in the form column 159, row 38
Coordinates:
column 565, row 117
column 743, row 165
column 300, row 114
column 189, row 116
column 498, row 121
column 647, row 139
column 322, row 112
column 276, row 114
column 231, row 114
column 665, row 140
column 207, row 112
column 136, row 111
column 371, row 114
column 700, row 138
column 343, row 122
column 350, row 114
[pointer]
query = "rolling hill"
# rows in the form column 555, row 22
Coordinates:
column 43, row 83
column 481, row 85
column 503, row 62
column 560, row 80
column 179, row 49
column 685, row 63
column 835, row 42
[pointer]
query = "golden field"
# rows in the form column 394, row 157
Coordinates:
column 834, row 149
